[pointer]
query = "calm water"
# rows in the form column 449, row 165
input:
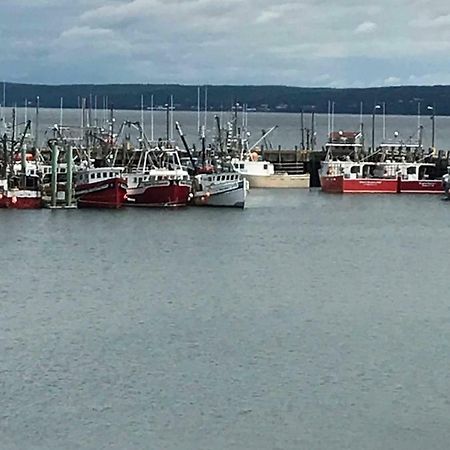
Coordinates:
column 287, row 134
column 306, row 321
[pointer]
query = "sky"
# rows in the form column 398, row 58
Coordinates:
column 329, row 43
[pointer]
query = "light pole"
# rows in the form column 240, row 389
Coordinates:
column 433, row 129
column 373, row 126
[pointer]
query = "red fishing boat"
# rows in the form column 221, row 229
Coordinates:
column 102, row 187
column 158, row 180
column 419, row 178
column 15, row 195
column 358, row 177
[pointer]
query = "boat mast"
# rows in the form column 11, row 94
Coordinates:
column 13, row 139
column 203, row 147
column 328, row 119
column 171, row 117
column 186, row 146
column 142, row 111
column 4, row 101
column 36, row 132
column 141, row 128
column 219, row 133
column 332, row 117
column 61, row 106
column 152, row 118
column 302, row 127
column 5, row 155
column 198, row 110
column 206, row 106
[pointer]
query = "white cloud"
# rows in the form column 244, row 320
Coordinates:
column 392, row 81
column 366, row 27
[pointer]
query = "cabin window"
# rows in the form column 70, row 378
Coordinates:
column 63, row 169
column 266, row 166
column 411, row 170
column 105, row 174
column 99, row 175
column 354, row 169
column 92, row 176
column 242, row 166
column 209, row 179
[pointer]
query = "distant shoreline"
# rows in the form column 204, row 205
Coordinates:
column 398, row 100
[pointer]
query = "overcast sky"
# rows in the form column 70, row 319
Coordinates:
column 339, row 43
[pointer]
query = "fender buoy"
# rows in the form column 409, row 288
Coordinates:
column 14, row 200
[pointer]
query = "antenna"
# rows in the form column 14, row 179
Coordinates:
column 36, row 133
column 61, row 106
column 152, row 118
column 142, row 111
column 171, row 117
column 4, row 100
column 332, row 117
column 328, row 117
column 95, row 111
column 198, row 109
column 384, row 121
column 206, row 105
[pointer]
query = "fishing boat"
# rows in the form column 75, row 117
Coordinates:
column 261, row 174
column 214, row 184
column 100, row 187
column 248, row 162
column 20, row 193
column 158, row 180
column 358, row 177
column 19, row 188
column 419, row 178
column 220, row 189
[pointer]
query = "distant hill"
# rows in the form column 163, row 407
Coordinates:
column 399, row 100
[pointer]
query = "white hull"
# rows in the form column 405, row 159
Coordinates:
column 279, row 181
column 216, row 190
column 233, row 198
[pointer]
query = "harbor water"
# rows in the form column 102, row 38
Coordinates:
column 287, row 134
column 306, row 321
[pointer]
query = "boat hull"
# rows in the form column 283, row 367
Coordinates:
column 110, row 193
column 339, row 184
column 232, row 197
column 159, row 195
column 421, row 187
column 21, row 199
column 278, row 181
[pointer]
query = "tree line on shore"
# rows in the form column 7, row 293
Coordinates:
column 399, row 100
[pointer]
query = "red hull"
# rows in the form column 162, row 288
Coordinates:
column 110, row 193
column 21, row 200
column 339, row 184
column 421, row 187
column 159, row 195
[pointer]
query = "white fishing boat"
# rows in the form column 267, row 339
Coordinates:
column 227, row 189
column 261, row 174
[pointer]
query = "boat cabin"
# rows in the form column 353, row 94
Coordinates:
column 248, row 167
column 354, row 170
column 416, row 171
column 94, row 175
